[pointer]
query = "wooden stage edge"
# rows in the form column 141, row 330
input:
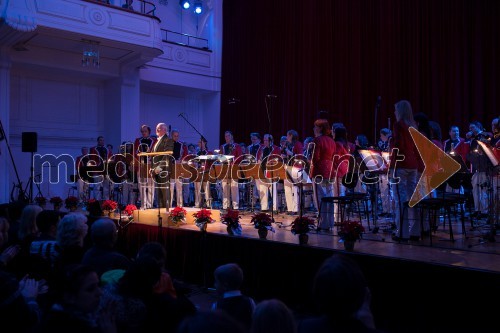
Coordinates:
column 434, row 255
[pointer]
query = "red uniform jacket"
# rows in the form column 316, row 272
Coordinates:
column 322, row 157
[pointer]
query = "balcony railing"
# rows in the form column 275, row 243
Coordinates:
column 143, row 6
column 185, row 40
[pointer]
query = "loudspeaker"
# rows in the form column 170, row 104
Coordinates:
column 29, row 142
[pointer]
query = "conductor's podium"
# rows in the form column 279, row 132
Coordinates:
column 150, row 216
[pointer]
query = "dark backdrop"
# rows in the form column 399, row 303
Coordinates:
column 338, row 56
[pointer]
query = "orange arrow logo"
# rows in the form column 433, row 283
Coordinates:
column 439, row 167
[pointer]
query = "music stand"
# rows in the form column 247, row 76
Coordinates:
column 226, row 171
column 250, row 171
column 205, row 176
column 167, row 183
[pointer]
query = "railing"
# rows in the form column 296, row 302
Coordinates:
column 185, row 39
column 145, row 7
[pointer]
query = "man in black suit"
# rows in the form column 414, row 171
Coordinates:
column 161, row 166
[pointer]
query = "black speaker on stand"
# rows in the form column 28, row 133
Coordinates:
column 30, row 145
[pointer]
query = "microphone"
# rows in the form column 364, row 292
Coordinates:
column 271, row 96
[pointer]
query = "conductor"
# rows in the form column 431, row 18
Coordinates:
column 161, row 164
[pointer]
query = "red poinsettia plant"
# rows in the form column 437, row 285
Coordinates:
column 109, row 205
column 351, row 230
column 71, row 202
column 302, row 225
column 56, row 200
column 129, row 209
column 202, row 217
column 178, row 214
column 263, row 221
column 231, row 218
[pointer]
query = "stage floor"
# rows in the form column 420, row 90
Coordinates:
column 472, row 252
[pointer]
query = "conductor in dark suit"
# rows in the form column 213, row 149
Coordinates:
column 161, row 166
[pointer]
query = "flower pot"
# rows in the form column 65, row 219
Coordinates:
column 303, row 239
column 349, row 245
column 203, row 227
column 230, row 231
column 263, row 233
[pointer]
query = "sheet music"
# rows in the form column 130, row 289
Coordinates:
column 373, row 160
column 489, row 152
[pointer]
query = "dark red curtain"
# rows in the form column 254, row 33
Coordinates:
column 339, row 55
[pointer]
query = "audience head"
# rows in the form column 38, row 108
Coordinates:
column 79, row 288
column 27, row 222
column 339, row 287
column 71, row 230
column 228, row 277
column 210, row 322
column 140, row 278
column 273, row 316
column 47, row 221
column 154, row 250
column 104, row 233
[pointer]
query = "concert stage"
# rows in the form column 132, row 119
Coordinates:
column 415, row 287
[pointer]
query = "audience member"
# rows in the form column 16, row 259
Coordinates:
column 273, row 316
column 228, row 281
column 77, row 308
column 343, row 298
column 102, row 256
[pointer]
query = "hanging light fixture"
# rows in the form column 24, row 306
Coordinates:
column 90, row 55
column 185, row 4
column 198, row 8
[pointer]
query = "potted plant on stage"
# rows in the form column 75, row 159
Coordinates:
column 263, row 222
column 129, row 211
column 71, row 203
column 301, row 226
column 108, row 207
column 350, row 232
column 57, row 202
column 41, row 201
column 202, row 218
column 178, row 215
column 232, row 220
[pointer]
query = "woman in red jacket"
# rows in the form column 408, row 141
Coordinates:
column 322, row 170
column 405, row 170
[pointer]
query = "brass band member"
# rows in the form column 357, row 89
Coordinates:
column 266, row 151
column 161, row 166
column 144, row 144
column 179, row 184
column 82, row 181
column 292, row 147
column 204, row 166
column 100, row 156
column 230, row 189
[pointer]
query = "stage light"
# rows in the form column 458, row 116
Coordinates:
column 185, row 4
column 198, row 8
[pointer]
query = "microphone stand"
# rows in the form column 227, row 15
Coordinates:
column 377, row 106
column 201, row 135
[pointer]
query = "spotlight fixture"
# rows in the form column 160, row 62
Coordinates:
column 185, row 4
column 198, row 8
